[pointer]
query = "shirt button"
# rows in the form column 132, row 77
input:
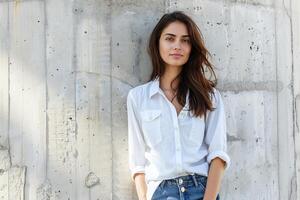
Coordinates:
column 182, row 189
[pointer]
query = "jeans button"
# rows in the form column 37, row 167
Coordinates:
column 180, row 181
column 182, row 189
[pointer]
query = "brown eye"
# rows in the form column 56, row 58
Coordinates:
column 169, row 38
column 186, row 40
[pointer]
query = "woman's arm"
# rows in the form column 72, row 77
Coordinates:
column 136, row 148
column 216, row 139
column 140, row 184
column 215, row 175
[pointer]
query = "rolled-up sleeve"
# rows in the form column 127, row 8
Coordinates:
column 136, row 146
column 215, row 131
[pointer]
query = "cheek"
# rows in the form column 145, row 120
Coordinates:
column 188, row 51
column 163, row 49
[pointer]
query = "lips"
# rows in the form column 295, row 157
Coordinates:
column 176, row 54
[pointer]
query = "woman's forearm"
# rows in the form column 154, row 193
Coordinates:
column 141, row 187
column 215, row 175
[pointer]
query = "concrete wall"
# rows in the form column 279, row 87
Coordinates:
column 66, row 68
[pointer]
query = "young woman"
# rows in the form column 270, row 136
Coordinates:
column 176, row 121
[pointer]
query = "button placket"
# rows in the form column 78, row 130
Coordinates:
column 176, row 135
column 178, row 148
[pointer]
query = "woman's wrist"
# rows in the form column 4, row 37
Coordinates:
column 143, row 198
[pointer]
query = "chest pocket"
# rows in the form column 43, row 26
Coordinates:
column 197, row 131
column 151, row 122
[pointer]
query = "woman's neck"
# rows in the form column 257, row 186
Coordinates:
column 168, row 77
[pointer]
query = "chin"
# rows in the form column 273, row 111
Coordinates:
column 176, row 63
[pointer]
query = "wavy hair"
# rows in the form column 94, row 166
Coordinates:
column 192, row 76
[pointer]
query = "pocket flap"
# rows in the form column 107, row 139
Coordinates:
column 149, row 115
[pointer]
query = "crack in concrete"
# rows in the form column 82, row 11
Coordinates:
column 19, row 1
column 240, row 86
column 293, row 188
column 286, row 11
column 246, row 2
column 232, row 138
column 297, row 110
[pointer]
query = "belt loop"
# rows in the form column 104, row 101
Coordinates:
column 195, row 180
column 162, row 184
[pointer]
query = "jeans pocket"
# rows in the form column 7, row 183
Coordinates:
column 157, row 191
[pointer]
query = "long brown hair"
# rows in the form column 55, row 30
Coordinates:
column 192, row 75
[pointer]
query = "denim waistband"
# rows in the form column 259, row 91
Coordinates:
column 185, row 180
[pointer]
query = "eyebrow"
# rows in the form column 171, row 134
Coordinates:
column 175, row 35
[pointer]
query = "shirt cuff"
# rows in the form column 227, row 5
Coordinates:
column 220, row 154
column 137, row 169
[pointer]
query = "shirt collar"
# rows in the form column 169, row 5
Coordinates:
column 154, row 88
column 187, row 103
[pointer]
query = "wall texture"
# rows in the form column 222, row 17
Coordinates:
column 66, row 68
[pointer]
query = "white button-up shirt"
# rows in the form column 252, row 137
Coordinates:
column 163, row 145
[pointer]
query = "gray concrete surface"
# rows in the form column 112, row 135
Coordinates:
column 66, row 68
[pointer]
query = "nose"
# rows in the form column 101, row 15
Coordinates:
column 177, row 46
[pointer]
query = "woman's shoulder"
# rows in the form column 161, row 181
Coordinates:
column 216, row 97
column 140, row 90
column 215, row 91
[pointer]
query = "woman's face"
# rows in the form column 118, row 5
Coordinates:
column 174, row 44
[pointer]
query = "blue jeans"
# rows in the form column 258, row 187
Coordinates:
column 189, row 187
